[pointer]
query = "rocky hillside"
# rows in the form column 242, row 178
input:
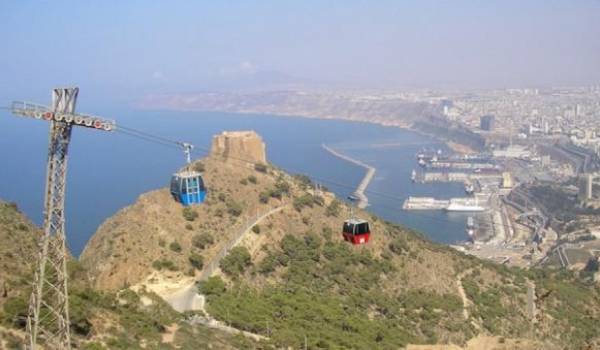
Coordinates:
column 293, row 279
column 100, row 320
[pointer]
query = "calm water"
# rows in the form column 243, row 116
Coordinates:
column 108, row 171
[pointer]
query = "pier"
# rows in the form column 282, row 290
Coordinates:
column 363, row 201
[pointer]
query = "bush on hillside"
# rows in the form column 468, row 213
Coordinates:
column 264, row 196
column 175, row 246
column 262, row 168
column 196, row 260
column 15, row 312
column 202, row 240
column 236, row 261
column 333, row 209
column 304, row 180
column 164, row 264
column 234, row 208
column 189, row 214
column 213, row 286
column 306, row 200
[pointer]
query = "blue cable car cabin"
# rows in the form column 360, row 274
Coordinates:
column 187, row 187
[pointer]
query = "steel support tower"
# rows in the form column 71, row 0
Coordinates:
column 48, row 317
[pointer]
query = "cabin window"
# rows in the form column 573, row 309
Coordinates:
column 348, row 227
column 175, row 185
column 362, row 228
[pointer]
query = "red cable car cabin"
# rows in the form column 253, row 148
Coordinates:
column 356, row 231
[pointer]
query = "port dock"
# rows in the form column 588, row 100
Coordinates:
column 363, row 200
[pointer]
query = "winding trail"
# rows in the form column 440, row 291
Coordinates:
column 363, row 200
column 531, row 301
column 187, row 298
column 463, row 295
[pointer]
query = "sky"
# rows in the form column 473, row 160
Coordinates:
column 123, row 50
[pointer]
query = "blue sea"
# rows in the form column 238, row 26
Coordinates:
column 109, row 170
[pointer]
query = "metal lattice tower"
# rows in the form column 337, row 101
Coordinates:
column 48, row 317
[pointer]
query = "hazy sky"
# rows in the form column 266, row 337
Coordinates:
column 130, row 48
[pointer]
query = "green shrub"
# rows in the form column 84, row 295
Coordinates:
column 15, row 312
column 213, row 286
column 202, row 240
column 236, row 261
column 164, row 264
column 189, row 227
column 268, row 264
column 189, row 214
column 282, row 187
column 93, row 346
column 196, row 260
column 256, row 229
column 234, row 208
column 261, row 168
column 398, row 245
column 306, row 200
column 327, row 233
column 333, row 209
column 244, row 182
column 252, row 179
column 175, row 246
column 305, row 181
column 263, row 197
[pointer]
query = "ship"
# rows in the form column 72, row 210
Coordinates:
column 413, row 176
column 471, row 227
column 465, row 205
column 469, row 188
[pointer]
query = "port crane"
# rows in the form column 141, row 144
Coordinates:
column 48, row 312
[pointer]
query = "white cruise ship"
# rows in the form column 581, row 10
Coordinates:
column 464, row 204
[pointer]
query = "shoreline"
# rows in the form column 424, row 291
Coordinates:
column 363, row 200
column 453, row 145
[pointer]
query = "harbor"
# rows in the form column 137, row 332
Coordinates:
column 359, row 193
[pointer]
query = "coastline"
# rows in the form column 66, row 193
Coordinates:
column 453, row 145
column 363, row 200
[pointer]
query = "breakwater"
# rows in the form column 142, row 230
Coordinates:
column 363, row 200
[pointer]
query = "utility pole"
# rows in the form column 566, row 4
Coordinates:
column 48, row 316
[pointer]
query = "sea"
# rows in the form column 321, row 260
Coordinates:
column 109, row 170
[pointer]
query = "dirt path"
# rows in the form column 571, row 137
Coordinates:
column 463, row 295
column 187, row 297
column 531, row 300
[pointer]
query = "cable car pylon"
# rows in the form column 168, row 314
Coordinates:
column 48, row 313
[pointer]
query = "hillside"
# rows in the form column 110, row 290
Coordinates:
column 100, row 320
column 293, row 276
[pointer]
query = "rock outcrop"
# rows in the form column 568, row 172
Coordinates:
column 239, row 146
